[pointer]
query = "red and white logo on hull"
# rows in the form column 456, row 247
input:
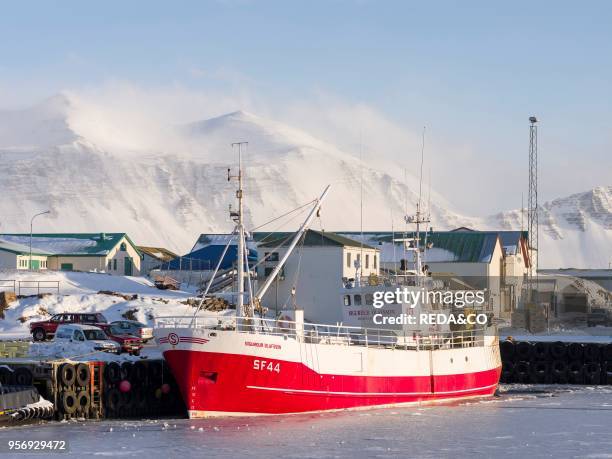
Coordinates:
column 173, row 339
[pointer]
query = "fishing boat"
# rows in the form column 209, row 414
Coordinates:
column 253, row 364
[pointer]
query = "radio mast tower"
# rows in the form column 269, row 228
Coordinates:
column 532, row 211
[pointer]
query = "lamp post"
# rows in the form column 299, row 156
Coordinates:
column 31, row 227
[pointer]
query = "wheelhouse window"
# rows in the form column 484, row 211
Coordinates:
column 369, row 299
column 347, row 300
column 271, row 256
column 357, row 299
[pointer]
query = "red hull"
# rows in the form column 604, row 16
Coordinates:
column 225, row 383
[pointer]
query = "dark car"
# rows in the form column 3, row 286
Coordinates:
column 45, row 329
column 129, row 343
column 599, row 316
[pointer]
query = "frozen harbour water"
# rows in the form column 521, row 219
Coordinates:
column 524, row 421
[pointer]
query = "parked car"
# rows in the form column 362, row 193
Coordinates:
column 86, row 335
column 129, row 343
column 45, row 329
column 133, row 327
column 599, row 316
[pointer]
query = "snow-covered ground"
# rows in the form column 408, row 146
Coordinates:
column 78, row 293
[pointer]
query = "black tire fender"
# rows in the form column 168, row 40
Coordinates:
column 558, row 350
column 523, row 350
column 68, row 402
column 575, row 351
column 67, row 374
column 112, row 373
column 83, row 401
column 83, row 375
column 6, row 376
column 139, row 373
column 126, row 370
column 113, row 400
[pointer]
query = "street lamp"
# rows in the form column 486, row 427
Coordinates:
column 31, row 226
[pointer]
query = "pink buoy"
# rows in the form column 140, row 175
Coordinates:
column 165, row 388
column 125, row 386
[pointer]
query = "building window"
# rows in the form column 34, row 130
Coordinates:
column 367, row 261
column 347, row 300
column 348, row 259
column 115, row 264
column 374, row 261
column 123, row 247
column 357, row 299
column 110, row 264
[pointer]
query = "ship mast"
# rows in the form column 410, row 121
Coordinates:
column 239, row 219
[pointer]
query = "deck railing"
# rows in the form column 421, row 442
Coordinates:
column 332, row 334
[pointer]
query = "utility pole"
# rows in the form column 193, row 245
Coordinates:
column 31, row 231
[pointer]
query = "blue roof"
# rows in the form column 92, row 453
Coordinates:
column 511, row 238
column 207, row 258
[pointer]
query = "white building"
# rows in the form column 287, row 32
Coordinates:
column 316, row 268
column 17, row 256
column 114, row 253
column 493, row 260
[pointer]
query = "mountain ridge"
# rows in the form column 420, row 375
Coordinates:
column 168, row 196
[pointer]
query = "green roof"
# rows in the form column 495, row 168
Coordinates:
column 69, row 244
column 466, row 246
column 312, row 238
column 20, row 249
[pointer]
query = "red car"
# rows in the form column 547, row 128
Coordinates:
column 45, row 329
column 129, row 343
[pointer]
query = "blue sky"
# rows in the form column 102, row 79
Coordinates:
column 472, row 72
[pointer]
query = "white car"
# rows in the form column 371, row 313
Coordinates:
column 86, row 335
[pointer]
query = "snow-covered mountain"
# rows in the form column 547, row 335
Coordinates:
column 575, row 231
column 56, row 157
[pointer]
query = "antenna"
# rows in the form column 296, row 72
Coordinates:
column 429, row 196
column 360, row 206
column 421, row 174
column 532, row 210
